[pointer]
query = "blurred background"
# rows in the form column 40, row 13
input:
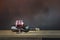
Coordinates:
column 44, row 14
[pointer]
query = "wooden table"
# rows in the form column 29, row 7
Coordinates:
column 41, row 33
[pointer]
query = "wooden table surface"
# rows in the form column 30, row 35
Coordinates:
column 41, row 33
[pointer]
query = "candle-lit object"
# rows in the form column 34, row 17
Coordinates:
column 20, row 26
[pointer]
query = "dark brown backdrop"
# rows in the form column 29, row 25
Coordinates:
column 35, row 13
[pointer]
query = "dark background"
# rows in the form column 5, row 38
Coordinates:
column 44, row 14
